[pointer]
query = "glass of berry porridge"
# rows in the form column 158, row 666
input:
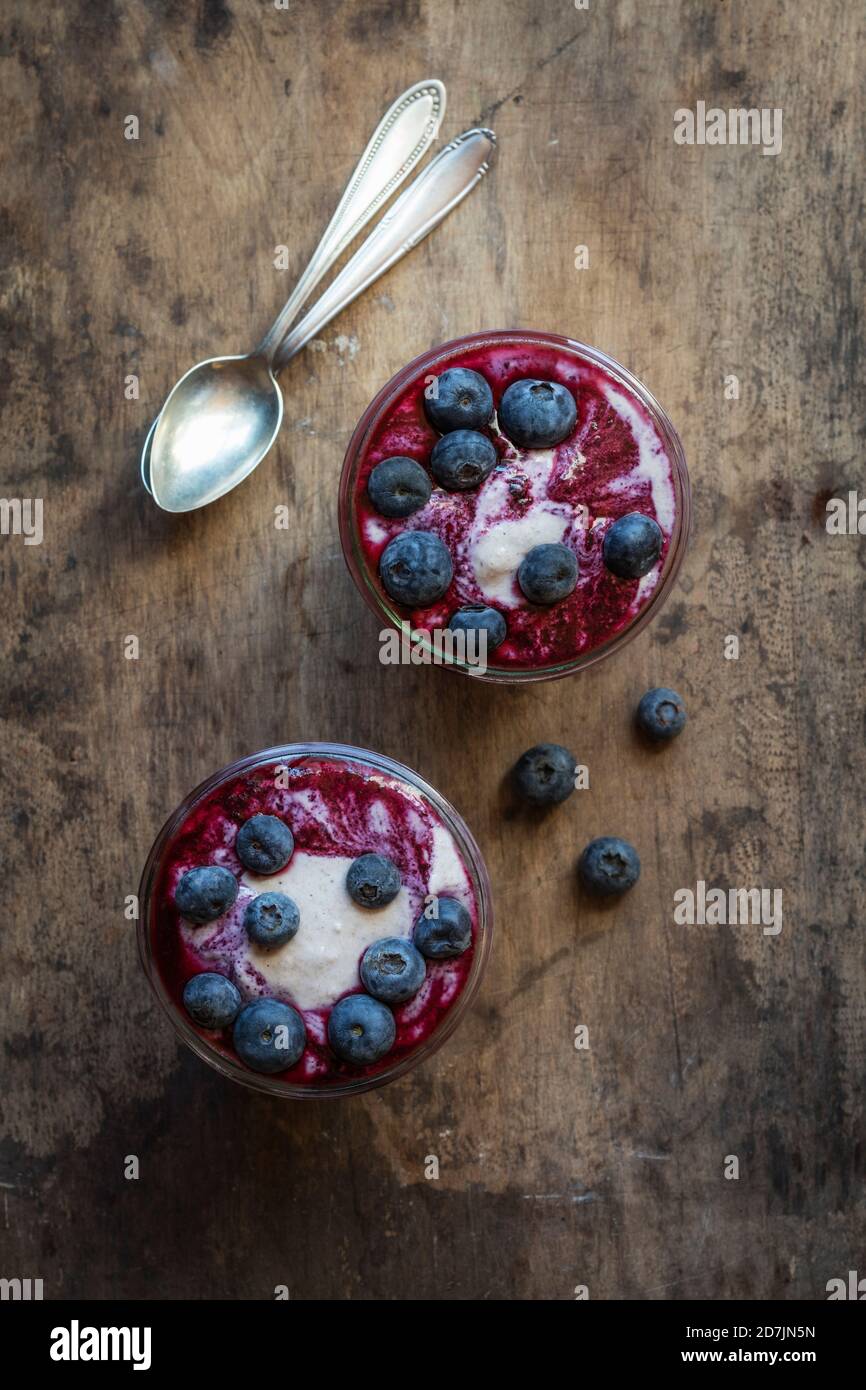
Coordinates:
column 315, row 920
column 516, row 504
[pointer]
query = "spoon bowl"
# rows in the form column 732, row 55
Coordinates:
column 145, row 456
column 217, row 424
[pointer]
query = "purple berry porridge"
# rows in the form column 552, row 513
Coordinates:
column 354, row 856
column 572, row 448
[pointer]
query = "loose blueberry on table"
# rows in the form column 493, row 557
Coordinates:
column 544, row 774
column 609, row 866
column 290, row 922
column 523, row 493
column 661, row 714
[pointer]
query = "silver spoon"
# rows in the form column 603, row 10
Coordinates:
column 222, row 418
column 396, row 147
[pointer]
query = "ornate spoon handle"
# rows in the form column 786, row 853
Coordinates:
column 443, row 184
column 398, row 143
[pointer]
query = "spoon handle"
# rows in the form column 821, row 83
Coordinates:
column 398, row 143
column 443, row 184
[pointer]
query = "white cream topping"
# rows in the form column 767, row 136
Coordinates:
column 376, row 533
column 653, row 466
column 497, row 546
column 646, row 586
column 496, row 554
column 447, row 873
column 321, row 961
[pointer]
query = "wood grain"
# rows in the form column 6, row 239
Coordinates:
column 557, row 1167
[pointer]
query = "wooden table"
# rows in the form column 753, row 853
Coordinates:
column 558, row 1167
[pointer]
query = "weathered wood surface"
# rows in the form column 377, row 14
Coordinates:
column 557, row 1167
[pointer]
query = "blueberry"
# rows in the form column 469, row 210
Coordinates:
column 463, row 459
column 544, row 775
column 609, row 866
column 373, row 881
column 399, row 487
column 361, row 1030
column 446, row 935
column 537, row 414
column 459, row 399
column 477, row 617
column 271, row 919
column 204, row 894
column 211, row 1000
column 264, row 844
column 416, row 568
column 269, row 1035
column 548, row 573
column 632, row 545
column 392, row 970
column 661, row 714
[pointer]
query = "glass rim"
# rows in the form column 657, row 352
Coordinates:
column 475, row 866
column 385, row 398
